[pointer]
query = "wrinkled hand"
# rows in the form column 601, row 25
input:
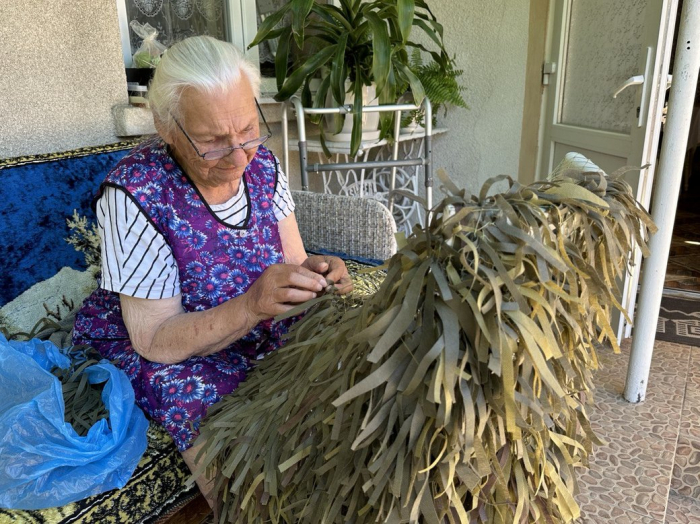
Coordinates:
column 280, row 288
column 333, row 269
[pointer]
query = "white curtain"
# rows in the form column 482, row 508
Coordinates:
column 265, row 8
column 178, row 19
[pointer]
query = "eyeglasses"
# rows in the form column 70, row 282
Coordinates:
column 221, row 153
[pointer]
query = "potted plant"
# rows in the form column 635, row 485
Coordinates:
column 440, row 85
column 350, row 46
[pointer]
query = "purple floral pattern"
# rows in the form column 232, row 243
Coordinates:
column 216, row 262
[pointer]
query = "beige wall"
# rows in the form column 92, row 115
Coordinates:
column 61, row 71
column 490, row 40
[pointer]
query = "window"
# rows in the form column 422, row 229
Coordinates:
column 233, row 20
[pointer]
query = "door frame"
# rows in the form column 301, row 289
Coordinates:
column 649, row 149
column 530, row 137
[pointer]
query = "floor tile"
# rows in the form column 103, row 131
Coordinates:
column 630, row 475
column 682, row 510
column 686, row 469
column 690, row 418
column 615, row 516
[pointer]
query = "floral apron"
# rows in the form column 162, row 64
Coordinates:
column 216, row 262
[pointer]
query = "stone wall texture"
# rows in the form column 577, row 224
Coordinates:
column 489, row 40
column 61, row 71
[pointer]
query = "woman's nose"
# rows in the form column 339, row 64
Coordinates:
column 236, row 157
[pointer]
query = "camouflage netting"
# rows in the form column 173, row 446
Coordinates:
column 456, row 393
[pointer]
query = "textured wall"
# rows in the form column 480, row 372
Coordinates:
column 489, row 38
column 61, row 71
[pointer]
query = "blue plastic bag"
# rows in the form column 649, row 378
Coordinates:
column 43, row 461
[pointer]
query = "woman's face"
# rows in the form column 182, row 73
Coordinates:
column 216, row 121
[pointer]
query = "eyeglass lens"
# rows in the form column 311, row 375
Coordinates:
column 220, row 153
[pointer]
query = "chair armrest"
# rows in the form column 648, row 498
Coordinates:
column 359, row 227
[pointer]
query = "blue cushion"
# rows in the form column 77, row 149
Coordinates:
column 37, row 195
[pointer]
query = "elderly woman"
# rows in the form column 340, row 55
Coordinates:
column 200, row 247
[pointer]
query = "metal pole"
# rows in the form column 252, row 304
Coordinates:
column 303, row 155
column 395, row 156
column 428, row 160
column 376, row 164
column 344, row 110
column 665, row 198
column 285, row 135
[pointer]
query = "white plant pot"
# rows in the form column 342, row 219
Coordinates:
column 413, row 128
column 370, row 121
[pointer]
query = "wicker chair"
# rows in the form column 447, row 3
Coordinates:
column 356, row 227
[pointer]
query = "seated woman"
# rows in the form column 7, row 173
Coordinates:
column 200, row 247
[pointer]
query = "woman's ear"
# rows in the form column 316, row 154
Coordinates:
column 164, row 130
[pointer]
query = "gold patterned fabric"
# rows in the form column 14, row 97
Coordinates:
column 73, row 153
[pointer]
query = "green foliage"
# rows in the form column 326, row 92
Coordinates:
column 83, row 401
column 362, row 42
column 456, row 393
column 83, row 404
column 440, row 84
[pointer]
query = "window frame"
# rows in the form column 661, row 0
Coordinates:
column 242, row 26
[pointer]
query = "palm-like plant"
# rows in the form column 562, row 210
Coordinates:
column 362, row 42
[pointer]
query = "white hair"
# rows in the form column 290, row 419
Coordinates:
column 202, row 63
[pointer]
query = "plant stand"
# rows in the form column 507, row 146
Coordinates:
column 377, row 170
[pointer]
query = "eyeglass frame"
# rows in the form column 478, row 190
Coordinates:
column 230, row 149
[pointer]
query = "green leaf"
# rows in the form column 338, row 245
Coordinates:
column 300, row 11
column 320, row 98
column 405, row 10
column 306, row 99
column 297, row 78
column 381, row 51
column 268, row 25
column 416, row 87
column 433, row 35
column 330, row 11
column 356, row 134
column 339, row 71
column 282, row 57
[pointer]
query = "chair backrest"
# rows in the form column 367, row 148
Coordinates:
column 359, row 227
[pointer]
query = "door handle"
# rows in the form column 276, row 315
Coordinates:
column 631, row 81
column 640, row 80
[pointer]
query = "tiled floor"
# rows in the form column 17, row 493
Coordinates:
column 648, row 471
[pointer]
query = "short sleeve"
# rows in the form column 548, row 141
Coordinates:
column 136, row 259
column 283, row 202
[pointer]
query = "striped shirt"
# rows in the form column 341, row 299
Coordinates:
column 136, row 259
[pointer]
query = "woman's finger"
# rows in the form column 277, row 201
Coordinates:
column 317, row 264
column 337, row 270
column 291, row 295
column 344, row 285
column 305, row 279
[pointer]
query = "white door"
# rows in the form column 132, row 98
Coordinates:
column 598, row 46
